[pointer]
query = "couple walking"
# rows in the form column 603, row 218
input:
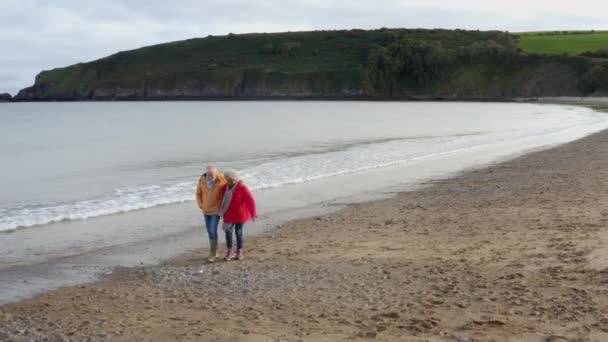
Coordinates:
column 225, row 196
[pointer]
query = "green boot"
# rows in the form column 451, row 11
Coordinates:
column 212, row 250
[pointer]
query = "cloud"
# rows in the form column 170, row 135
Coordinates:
column 37, row 35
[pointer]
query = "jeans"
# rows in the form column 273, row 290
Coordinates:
column 238, row 229
column 211, row 222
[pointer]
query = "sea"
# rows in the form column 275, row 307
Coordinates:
column 87, row 186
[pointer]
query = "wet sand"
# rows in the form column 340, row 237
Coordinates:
column 512, row 252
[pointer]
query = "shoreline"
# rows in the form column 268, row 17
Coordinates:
column 511, row 249
column 565, row 100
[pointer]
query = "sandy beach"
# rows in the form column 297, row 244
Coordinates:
column 512, row 252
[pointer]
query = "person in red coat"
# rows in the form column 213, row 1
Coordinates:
column 238, row 208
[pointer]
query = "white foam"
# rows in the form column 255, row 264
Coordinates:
column 307, row 168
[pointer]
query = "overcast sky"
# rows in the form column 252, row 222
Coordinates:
column 37, row 35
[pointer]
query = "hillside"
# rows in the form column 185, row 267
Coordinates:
column 383, row 64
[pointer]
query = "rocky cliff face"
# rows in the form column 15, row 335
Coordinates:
column 545, row 80
column 5, row 97
column 245, row 84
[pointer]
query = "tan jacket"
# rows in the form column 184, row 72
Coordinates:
column 210, row 200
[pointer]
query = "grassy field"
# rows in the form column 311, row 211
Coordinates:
column 571, row 43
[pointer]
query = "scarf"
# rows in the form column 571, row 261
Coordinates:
column 210, row 184
column 226, row 204
column 227, row 199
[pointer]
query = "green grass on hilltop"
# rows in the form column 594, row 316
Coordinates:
column 571, row 42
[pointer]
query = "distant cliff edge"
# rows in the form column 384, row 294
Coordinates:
column 375, row 64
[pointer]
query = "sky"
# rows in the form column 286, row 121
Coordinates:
column 39, row 35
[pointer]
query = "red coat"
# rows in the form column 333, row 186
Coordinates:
column 242, row 206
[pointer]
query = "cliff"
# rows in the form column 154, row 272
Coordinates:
column 5, row 97
column 382, row 64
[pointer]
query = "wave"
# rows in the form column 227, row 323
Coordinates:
column 274, row 171
column 280, row 170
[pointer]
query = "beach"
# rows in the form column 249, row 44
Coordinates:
column 514, row 251
column 67, row 217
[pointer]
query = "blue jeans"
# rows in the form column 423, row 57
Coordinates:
column 211, row 222
column 238, row 229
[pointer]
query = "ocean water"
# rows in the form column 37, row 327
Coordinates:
column 77, row 161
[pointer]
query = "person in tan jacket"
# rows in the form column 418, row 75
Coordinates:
column 209, row 197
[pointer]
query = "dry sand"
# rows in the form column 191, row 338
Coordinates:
column 513, row 252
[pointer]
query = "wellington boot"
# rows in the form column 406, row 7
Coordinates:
column 212, row 251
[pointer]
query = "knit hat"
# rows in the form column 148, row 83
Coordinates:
column 231, row 174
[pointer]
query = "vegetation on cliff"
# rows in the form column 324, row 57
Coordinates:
column 385, row 63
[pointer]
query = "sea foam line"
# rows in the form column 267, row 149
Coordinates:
column 132, row 199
